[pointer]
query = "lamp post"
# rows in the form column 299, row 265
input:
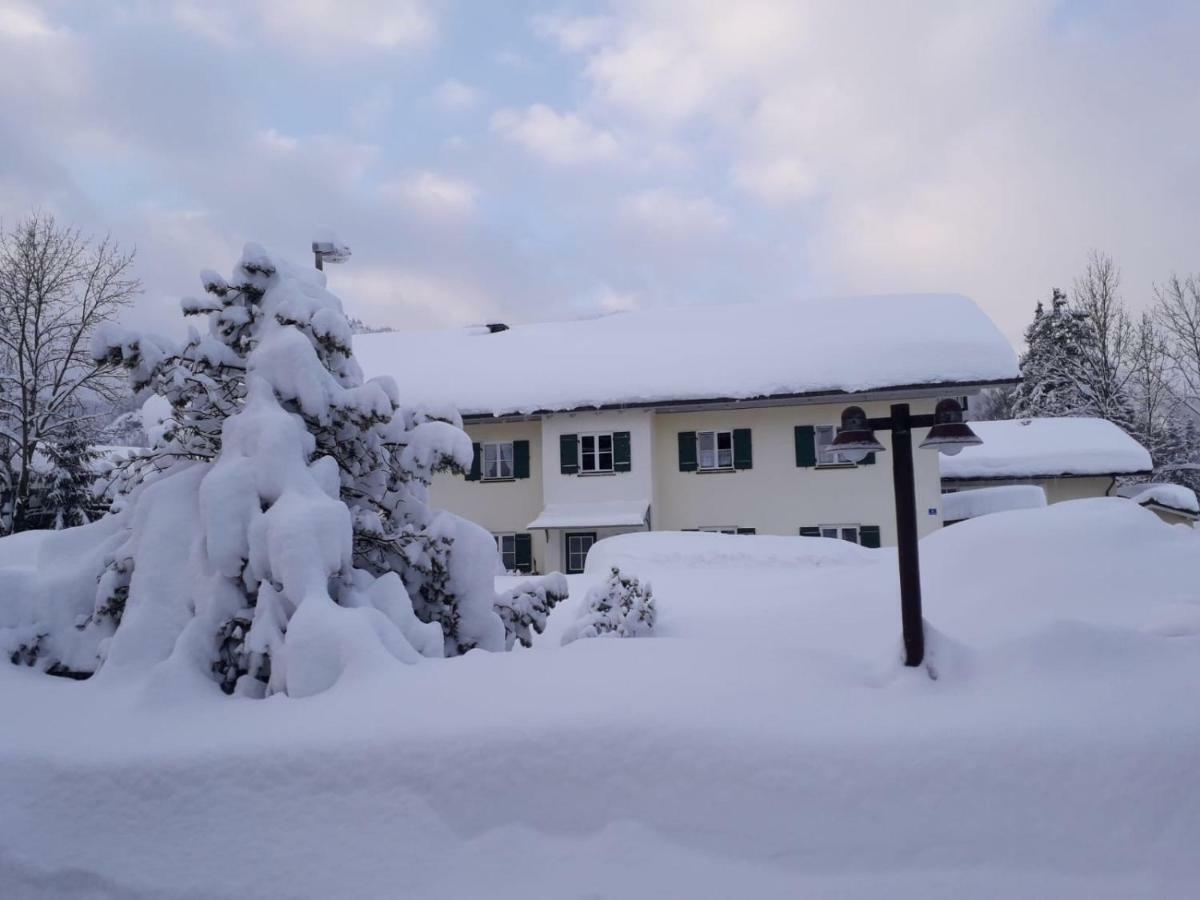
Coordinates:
column 329, row 251
column 948, row 433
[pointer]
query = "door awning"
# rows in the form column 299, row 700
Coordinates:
column 594, row 514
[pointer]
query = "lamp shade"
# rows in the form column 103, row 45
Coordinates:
column 949, row 433
column 855, row 439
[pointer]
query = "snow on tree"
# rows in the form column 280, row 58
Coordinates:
column 66, row 494
column 1051, row 367
column 620, row 607
column 525, row 608
column 277, row 535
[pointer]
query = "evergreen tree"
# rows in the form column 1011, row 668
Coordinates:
column 620, row 607
column 279, row 528
column 66, row 495
column 1052, row 365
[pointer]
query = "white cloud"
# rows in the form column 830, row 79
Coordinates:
column 21, row 21
column 563, row 139
column 410, row 298
column 674, row 215
column 454, row 96
column 432, row 194
column 778, row 180
column 572, row 33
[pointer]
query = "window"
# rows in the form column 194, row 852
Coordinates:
column 725, row 529
column 596, row 453
column 498, row 460
column 715, row 449
column 507, row 545
column 826, row 455
column 578, row 546
column 845, row 532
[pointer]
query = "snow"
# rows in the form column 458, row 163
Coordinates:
column 738, row 351
column 764, row 742
column 1172, row 496
column 969, row 504
column 592, row 514
column 1047, row 448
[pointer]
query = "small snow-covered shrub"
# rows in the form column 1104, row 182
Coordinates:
column 527, row 606
column 620, row 607
column 278, row 531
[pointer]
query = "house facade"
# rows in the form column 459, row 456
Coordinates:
column 654, row 421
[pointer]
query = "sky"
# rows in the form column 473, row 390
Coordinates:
column 526, row 161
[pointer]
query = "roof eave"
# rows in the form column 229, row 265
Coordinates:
column 809, row 398
column 1122, row 473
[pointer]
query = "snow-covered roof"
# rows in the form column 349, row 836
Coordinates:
column 1047, row 448
column 592, row 514
column 739, row 351
column 969, row 504
column 1174, row 497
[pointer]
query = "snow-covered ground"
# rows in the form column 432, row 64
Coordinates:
column 765, row 743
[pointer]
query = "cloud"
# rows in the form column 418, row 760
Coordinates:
column 432, row 194
column 673, row 215
column 454, row 96
column 19, row 21
column 563, row 139
column 411, row 298
column 572, row 33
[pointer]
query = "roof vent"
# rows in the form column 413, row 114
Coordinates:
column 493, row 327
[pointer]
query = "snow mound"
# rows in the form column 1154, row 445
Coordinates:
column 694, row 549
column 1172, row 496
column 969, row 504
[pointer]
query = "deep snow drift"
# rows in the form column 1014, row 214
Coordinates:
column 765, row 742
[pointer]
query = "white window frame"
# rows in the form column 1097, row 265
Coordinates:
column 826, row 458
column 499, row 459
column 717, row 466
column 839, row 532
column 505, row 554
column 596, row 453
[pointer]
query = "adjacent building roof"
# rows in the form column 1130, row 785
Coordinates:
column 1047, row 448
column 1173, row 497
column 698, row 353
column 982, row 501
column 592, row 514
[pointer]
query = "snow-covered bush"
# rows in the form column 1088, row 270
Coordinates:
column 278, row 532
column 526, row 607
column 620, row 607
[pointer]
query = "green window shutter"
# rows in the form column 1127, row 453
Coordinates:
column 476, row 463
column 524, row 549
column 810, row 531
column 743, row 458
column 868, row 460
column 869, row 535
column 806, row 446
column 568, row 454
column 621, row 452
column 746, row 531
column 520, row 459
column 687, row 451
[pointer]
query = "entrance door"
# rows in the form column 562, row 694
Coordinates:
column 578, row 545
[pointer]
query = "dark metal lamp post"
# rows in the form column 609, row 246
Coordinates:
column 948, row 434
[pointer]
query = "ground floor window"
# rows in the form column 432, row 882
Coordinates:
column 725, row 529
column 516, row 552
column 864, row 535
column 578, row 545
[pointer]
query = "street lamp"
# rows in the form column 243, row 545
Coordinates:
column 329, row 251
column 948, row 434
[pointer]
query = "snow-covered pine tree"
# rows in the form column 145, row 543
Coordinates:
column 1051, row 370
column 620, row 607
column 526, row 607
column 278, row 534
column 66, row 494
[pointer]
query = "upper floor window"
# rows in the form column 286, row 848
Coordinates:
column 826, row 455
column 498, row 460
column 715, row 449
column 596, row 453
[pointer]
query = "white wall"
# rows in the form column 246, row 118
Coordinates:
column 634, row 485
column 776, row 496
column 499, row 506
